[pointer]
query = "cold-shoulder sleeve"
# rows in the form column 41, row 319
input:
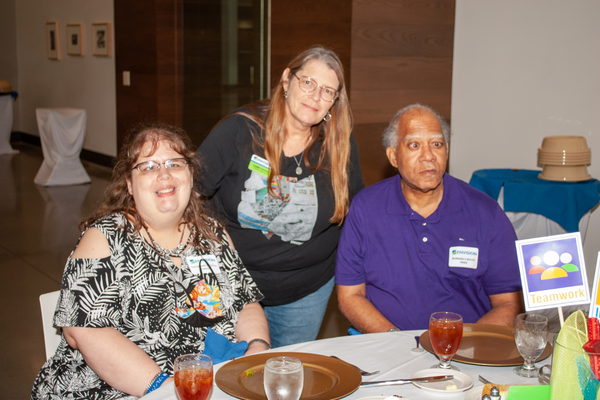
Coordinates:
column 93, row 289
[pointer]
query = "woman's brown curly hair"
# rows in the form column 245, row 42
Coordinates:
column 117, row 198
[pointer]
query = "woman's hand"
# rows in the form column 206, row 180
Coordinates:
column 252, row 324
column 114, row 358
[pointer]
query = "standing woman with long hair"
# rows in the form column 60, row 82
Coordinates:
column 281, row 175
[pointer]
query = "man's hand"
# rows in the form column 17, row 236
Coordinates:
column 505, row 307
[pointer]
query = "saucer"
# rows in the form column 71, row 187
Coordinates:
column 461, row 380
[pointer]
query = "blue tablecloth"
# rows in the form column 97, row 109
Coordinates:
column 563, row 202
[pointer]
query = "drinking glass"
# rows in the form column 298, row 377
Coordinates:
column 531, row 333
column 445, row 334
column 193, row 376
column 284, row 378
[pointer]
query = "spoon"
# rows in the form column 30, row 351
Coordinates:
column 417, row 349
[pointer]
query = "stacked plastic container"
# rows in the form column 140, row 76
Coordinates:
column 564, row 158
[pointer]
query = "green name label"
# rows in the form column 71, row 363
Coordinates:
column 259, row 165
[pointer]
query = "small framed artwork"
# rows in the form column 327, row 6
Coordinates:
column 74, row 40
column 52, row 42
column 101, row 40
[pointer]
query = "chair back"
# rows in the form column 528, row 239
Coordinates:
column 52, row 335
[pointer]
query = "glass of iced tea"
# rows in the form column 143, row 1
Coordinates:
column 193, row 376
column 445, row 334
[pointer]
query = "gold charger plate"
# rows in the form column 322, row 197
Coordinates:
column 490, row 345
column 325, row 378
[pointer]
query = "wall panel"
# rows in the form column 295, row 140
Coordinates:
column 146, row 44
column 297, row 25
column 401, row 54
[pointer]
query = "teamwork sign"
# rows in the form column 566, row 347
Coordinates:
column 552, row 271
column 595, row 306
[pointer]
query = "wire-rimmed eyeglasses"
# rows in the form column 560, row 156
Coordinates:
column 148, row 167
column 308, row 85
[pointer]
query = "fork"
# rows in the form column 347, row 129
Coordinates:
column 482, row 379
column 362, row 372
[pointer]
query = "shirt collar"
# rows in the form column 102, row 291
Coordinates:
column 451, row 201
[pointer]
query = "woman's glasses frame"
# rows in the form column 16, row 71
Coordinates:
column 149, row 167
column 308, row 85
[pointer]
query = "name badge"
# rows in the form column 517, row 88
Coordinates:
column 196, row 265
column 463, row 257
column 259, row 165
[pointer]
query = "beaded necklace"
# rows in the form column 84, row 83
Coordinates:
column 176, row 252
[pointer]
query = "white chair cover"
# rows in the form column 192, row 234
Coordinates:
column 6, row 122
column 530, row 225
column 62, row 131
column 52, row 335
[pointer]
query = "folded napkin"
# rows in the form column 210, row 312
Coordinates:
column 567, row 347
column 220, row 349
column 532, row 392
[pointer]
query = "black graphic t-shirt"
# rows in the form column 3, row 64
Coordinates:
column 287, row 243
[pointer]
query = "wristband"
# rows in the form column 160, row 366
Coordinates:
column 156, row 382
column 259, row 340
column 151, row 382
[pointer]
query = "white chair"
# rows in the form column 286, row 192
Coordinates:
column 52, row 335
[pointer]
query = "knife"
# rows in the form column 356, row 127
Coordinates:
column 408, row 380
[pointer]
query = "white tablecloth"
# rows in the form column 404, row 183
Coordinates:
column 62, row 131
column 6, row 122
column 388, row 352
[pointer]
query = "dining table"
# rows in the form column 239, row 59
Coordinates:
column 392, row 354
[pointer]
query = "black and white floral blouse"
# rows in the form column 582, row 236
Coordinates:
column 133, row 291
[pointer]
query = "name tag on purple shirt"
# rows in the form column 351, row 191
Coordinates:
column 463, row 257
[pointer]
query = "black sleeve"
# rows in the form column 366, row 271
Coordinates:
column 355, row 179
column 219, row 153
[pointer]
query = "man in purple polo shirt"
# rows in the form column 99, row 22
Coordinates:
column 423, row 241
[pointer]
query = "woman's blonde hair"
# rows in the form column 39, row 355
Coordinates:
column 334, row 133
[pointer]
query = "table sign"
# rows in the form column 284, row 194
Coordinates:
column 595, row 306
column 553, row 271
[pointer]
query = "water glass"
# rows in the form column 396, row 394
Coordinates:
column 284, row 378
column 531, row 334
column 193, row 376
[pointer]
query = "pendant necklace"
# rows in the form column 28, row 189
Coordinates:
column 299, row 168
column 176, row 252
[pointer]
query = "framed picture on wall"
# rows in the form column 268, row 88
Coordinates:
column 101, row 40
column 52, row 41
column 74, row 40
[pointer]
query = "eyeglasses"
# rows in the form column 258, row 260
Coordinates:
column 150, row 167
column 308, row 85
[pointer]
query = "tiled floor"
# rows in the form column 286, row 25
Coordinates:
column 38, row 230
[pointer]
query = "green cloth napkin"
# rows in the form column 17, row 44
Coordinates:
column 537, row 392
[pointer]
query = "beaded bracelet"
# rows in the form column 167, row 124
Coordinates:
column 156, row 382
column 259, row 340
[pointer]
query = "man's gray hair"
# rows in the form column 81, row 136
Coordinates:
column 390, row 134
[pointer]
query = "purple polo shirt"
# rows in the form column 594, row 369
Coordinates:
column 403, row 258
